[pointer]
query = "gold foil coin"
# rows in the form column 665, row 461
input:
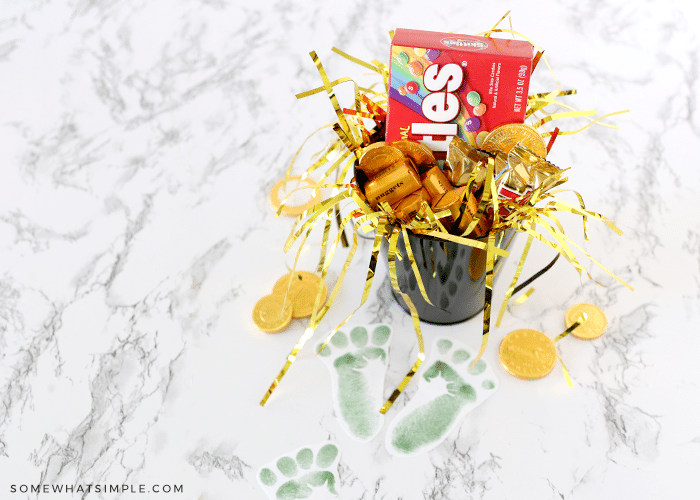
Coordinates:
column 504, row 138
column 419, row 153
column 302, row 292
column 376, row 158
column 592, row 327
column 269, row 316
column 527, row 354
column 294, row 210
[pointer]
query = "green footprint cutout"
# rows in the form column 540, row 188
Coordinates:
column 358, row 363
column 301, row 474
column 447, row 391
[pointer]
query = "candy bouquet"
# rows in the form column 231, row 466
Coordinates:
column 445, row 160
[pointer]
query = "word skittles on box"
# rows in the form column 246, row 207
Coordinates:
column 444, row 85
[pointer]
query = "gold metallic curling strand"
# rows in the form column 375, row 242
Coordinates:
column 368, row 280
column 516, row 277
column 565, row 207
column 486, row 326
column 489, row 192
column 584, row 214
column 536, row 104
column 324, row 239
column 317, row 210
column 566, row 332
column 322, row 88
column 544, row 94
column 485, row 197
column 382, row 228
column 524, row 297
column 393, row 239
column 294, row 158
column 334, row 166
column 342, row 122
column 316, row 316
column 547, row 134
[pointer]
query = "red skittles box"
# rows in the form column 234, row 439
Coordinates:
column 444, row 84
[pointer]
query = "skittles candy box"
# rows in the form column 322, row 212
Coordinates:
column 444, row 84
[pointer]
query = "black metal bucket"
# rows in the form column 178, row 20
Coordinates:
column 454, row 277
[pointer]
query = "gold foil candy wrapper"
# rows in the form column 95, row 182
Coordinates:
column 393, row 183
column 462, row 207
column 516, row 178
column 464, row 163
column 542, row 173
column 436, row 183
column 407, row 208
column 524, row 172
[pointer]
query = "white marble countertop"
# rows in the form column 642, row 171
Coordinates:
column 139, row 142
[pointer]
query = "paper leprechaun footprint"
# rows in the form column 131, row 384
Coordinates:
column 358, row 365
column 447, row 391
column 309, row 472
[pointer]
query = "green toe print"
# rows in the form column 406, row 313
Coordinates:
column 301, row 477
column 358, row 363
column 447, row 391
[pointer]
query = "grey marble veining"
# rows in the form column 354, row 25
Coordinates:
column 139, row 143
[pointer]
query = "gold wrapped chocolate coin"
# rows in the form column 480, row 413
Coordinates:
column 503, row 138
column 378, row 157
column 592, row 327
column 272, row 313
column 419, row 153
column 393, row 183
column 527, row 354
column 302, row 292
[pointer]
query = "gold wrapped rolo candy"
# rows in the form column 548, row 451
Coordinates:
column 462, row 206
column 483, row 226
column 436, row 183
column 419, row 153
column 464, row 163
column 407, row 208
column 393, row 183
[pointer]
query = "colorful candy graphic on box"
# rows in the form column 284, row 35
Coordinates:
column 445, row 84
